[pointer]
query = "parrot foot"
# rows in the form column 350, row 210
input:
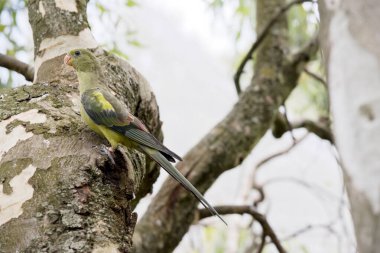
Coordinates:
column 109, row 152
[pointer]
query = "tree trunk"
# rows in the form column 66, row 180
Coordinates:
column 351, row 40
column 57, row 192
column 173, row 210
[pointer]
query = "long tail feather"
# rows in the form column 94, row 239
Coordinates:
column 164, row 163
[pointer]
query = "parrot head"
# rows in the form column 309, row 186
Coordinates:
column 81, row 60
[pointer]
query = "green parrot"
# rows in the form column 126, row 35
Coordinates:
column 110, row 118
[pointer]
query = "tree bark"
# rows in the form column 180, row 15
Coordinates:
column 351, row 41
column 173, row 210
column 57, row 193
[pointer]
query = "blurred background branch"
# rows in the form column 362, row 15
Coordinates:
column 254, row 112
column 260, row 39
column 261, row 219
column 20, row 67
column 261, row 155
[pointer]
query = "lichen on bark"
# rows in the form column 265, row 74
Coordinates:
column 68, row 182
column 55, row 21
column 81, row 201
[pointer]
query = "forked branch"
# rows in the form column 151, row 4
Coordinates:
column 260, row 218
column 260, row 39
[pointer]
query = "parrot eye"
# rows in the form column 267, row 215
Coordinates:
column 77, row 53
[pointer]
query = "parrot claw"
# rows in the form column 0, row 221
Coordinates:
column 109, row 152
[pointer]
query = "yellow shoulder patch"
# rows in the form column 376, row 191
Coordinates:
column 100, row 98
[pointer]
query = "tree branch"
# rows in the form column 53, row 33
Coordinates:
column 315, row 76
column 81, row 202
column 288, row 125
column 252, row 184
column 227, row 144
column 320, row 128
column 260, row 218
column 280, row 153
column 223, row 148
column 20, row 67
column 260, row 39
column 262, row 243
column 304, row 55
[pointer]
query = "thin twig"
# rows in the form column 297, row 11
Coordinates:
column 11, row 63
column 267, row 229
column 289, row 126
column 280, row 153
column 252, row 184
column 320, row 128
column 314, row 188
column 310, row 227
column 316, row 77
column 260, row 39
column 262, row 243
column 261, row 192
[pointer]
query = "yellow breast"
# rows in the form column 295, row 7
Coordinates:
column 90, row 122
column 113, row 137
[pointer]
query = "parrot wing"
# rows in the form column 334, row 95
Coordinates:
column 105, row 109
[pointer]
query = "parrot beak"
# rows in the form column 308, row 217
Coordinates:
column 68, row 60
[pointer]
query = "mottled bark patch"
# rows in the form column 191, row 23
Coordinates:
column 15, row 189
column 13, row 130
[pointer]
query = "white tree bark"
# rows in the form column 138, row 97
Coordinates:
column 351, row 38
column 57, row 193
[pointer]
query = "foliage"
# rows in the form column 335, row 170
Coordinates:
column 243, row 12
column 214, row 239
column 112, row 17
column 309, row 99
column 302, row 23
column 16, row 36
column 10, row 32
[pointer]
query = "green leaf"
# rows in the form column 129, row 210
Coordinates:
column 101, row 8
column 119, row 53
column 135, row 43
column 238, row 35
column 300, row 25
column 2, row 27
column 14, row 17
column 131, row 3
column 10, row 52
column 216, row 4
column 2, row 4
column 243, row 10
